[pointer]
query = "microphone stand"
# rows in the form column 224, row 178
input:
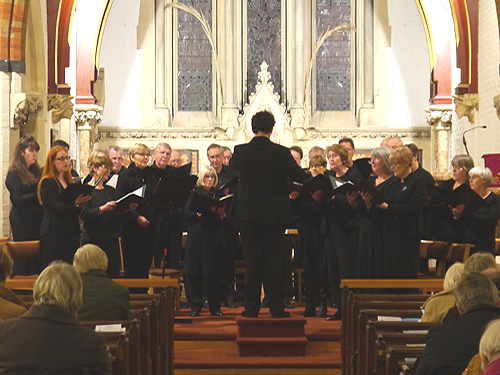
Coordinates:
column 468, row 130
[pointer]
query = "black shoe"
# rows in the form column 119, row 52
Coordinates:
column 247, row 314
column 217, row 313
column 205, row 304
column 308, row 312
column 283, row 314
column 323, row 311
column 336, row 316
column 195, row 311
column 230, row 303
column 288, row 304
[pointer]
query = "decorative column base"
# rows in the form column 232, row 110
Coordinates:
column 440, row 118
column 87, row 119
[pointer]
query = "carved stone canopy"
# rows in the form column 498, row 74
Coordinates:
column 60, row 105
column 466, row 105
column 29, row 106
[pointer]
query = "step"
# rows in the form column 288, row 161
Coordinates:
column 269, row 327
column 272, row 346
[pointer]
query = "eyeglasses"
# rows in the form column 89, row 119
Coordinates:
column 64, row 158
column 315, row 166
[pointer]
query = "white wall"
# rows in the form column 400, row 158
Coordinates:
column 407, row 65
column 122, row 63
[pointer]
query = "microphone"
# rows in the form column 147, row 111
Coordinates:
column 468, row 130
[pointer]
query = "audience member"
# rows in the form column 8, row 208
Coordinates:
column 479, row 262
column 489, row 348
column 451, row 345
column 103, row 299
column 438, row 305
column 10, row 305
column 48, row 339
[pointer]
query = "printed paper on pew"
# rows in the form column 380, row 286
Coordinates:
column 417, row 331
column 109, row 328
column 389, row 318
column 422, row 345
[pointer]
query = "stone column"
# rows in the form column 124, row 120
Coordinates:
column 440, row 118
column 87, row 121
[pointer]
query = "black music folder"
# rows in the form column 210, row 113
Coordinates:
column 203, row 204
column 183, row 170
column 231, row 184
column 377, row 196
column 320, row 182
column 72, row 192
column 463, row 195
column 136, row 196
column 173, row 191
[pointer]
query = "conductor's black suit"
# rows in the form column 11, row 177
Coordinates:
column 263, row 209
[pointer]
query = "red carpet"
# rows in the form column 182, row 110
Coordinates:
column 210, row 343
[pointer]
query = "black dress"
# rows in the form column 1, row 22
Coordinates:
column 480, row 227
column 341, row 237
column 25, row 218
column 448, row 228
column 402, row 227
column 371, row 234
column 103, row 229
column 60, row 230
column 137, row 242
column 205, row 247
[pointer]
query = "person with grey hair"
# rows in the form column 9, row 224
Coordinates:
column 489, row 348
column 49, row 339
column 116, row 156
column 445, row 219
column 371, row 244
column 10, row 305
column 451, row 345
column 481, row 225
column 205, row 246
column 316, row 150
column 392, row 142
column 103, row 298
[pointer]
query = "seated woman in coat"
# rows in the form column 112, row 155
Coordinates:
column 103, row 298
column 10, row 305
column 204, row 246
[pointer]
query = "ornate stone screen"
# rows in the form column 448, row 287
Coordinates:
column 263, row 41
column 195, row 60
column 333, row 61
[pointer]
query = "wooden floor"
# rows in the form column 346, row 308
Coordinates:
column 208, row 346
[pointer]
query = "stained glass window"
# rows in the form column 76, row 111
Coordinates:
column 264, row 41
column 195, row 59
column 333, row 61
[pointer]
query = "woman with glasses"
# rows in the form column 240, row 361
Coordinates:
column 138, row 227
column 446, row 219
column 205, row 246
column 60, row 230
column 101, row 220
column 26, row 214
column 371, row 244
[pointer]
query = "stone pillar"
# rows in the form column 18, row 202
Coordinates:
column 440, row 118
column 87, row 121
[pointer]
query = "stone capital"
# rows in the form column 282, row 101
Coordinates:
column 439, row 116
column 466, row 105
column 88, row 117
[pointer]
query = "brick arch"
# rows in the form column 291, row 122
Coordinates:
column 13, row 18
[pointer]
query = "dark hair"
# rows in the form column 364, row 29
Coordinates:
column 413, row 148
column 340, row 150
column 298, row 150
column 347, row 140
column 214, row 145
column 60, row 142
column 263, row 121
column 28, row 175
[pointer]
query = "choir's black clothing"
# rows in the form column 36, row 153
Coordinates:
column 137, row 242
column 205, row 247
column 310, row 249
column 480, row 227
column 25, row 219
column 371, row 233
column 169, row 232
column 112, row 172
column 60, row 230
column 402, row 227
column 425, row 229
column 448, row 228
column 103, row 229
column 341, row 237
column 263, row 209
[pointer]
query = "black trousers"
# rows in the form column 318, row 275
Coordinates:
column 263, row 252
column 169, row 236
column 196, row 285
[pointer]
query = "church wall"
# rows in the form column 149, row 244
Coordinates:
column 482, row 141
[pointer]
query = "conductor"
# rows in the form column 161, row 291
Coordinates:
column 263, row 208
